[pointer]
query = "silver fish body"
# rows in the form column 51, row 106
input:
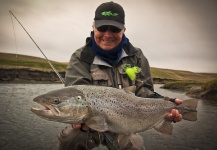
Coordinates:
column 110, row 109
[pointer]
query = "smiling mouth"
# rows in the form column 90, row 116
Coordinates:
column 108, row 41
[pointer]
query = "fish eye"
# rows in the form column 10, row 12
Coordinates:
column 56, row 100
column 78, row 97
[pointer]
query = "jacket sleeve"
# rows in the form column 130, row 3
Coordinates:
column 77, row 72
column 144, row 84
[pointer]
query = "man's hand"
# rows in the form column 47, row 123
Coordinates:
column 174, row 115
column 82, row 126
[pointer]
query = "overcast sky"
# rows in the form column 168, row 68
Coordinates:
column 173, row 34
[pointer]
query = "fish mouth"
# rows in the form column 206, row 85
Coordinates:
column 48, row 111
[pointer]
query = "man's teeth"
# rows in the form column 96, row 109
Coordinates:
column 108, row 40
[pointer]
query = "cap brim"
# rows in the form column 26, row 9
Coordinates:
column 99, row 23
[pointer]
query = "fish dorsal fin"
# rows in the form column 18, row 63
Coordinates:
column 164, row 127
column 97, row 123
column 130, row 89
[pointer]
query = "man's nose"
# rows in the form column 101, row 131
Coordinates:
column 108, row 32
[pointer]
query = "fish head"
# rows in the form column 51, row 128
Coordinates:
column 67, row 105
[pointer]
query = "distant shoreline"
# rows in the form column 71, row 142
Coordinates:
column 23, row 75
column 29, row 76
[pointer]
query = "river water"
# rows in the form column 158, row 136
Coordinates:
column 20, row 129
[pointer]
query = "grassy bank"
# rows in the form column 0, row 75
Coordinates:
column 22, row 61
column 180, row 75
column 195, row 89
column 35, row 63
column 207, row 90
column 182, row 85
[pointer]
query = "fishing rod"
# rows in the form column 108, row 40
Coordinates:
column 57, row 73
column 54, row 69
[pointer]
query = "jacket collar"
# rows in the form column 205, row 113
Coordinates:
column 98, row 61
column 87, row 54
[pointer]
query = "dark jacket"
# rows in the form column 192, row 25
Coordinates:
column 86, row 68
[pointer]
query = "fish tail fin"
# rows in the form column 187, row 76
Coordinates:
column 189, row 111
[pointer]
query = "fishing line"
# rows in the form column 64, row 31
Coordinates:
column 15, row 41
column 54, row 69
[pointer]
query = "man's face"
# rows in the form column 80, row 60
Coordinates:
column 107, row 37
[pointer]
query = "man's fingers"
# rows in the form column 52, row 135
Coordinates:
column 76, row 126
column 174, row 112
column 83, row 127
column 174, row 115
column 178, row 118
column 178, row 101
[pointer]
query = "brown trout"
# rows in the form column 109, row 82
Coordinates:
column 111, row 109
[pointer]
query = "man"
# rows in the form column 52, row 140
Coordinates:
column 104, row 61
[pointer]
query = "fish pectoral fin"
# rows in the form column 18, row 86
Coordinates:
column 164, row 127
column 97, row 123
column 134, row 139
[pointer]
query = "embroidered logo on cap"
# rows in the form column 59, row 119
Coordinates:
column 109, row 13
